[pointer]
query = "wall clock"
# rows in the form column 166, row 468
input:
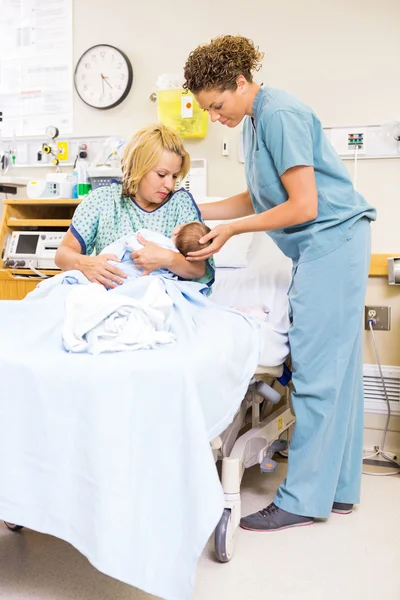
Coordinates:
column 103, row 76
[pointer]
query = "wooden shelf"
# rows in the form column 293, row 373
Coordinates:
column 18, row 214
column 29, row 202
column 379, row 264
column 10, row 274
column 38, row 222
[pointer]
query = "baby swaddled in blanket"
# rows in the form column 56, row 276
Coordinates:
column 185, row 238
column 97, row 322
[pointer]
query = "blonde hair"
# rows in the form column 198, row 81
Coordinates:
column 144, row 151
column 216, row 66
column 188, row 237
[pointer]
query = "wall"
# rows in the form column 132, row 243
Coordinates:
column 340, row 57
column 337, row 56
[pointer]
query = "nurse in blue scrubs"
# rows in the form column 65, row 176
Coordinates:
column 300, row 193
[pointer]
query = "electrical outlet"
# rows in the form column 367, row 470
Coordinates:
column 355, row 140
column 380, row 315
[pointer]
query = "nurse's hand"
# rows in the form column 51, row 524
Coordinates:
column 218, row 236
column 151, row 257
column 98, row 270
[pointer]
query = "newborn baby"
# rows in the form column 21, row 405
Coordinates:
column 185, row 238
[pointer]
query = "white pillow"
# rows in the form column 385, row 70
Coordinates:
column 234, row 253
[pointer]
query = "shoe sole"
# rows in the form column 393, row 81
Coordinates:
column 278, row 528
column 342, row 512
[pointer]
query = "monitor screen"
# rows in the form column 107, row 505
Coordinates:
column 27, row 244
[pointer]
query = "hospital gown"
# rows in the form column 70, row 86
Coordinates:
column 106, row 215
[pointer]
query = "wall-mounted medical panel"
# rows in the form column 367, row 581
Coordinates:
column 32, row 151
column 368, row 141
column 365, row 141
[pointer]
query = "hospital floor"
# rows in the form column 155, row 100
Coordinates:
column 353, row 557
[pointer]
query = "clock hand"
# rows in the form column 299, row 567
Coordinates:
column 102, row 82
column 104, row 77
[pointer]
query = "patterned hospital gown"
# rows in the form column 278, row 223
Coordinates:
column 106, row 215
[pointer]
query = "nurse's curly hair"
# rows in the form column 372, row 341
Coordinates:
column 216, row 66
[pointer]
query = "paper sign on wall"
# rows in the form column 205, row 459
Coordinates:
column 36, row 66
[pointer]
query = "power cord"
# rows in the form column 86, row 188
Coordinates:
column 380, row 451
column 42, row 275
column 15, row 264
column 355, row 166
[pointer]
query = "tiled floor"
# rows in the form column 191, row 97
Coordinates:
column 355, row 557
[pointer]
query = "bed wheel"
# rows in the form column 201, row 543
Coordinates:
column 13, row 527
column 225, row 535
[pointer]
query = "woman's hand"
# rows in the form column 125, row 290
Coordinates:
column 151, row 257
column 98, row 270
column 219, row 236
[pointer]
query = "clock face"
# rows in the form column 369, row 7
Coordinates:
column 103, row 76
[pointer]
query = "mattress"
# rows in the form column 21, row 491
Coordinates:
column 265, row 281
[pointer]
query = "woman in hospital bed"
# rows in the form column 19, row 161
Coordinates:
column 153, row 160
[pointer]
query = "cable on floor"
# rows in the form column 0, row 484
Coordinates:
column 380, row 451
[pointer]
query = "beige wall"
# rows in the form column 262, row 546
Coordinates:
column 388, row 342
column 339, row 56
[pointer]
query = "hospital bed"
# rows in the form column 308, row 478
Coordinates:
column 265, row 414
column 252, row 427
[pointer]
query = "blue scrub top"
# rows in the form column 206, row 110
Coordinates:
column 285, row 133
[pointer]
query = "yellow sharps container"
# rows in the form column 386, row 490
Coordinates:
column 179, row 110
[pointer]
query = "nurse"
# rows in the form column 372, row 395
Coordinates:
column 300, row 193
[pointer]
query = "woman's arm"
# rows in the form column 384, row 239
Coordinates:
column 234, row 207
column 183, row 268
column 152, row 257
column 69, row 253
column 96, row 268
column 300, row 207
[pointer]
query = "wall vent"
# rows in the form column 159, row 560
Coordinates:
column 195, row 181
column 374, row 395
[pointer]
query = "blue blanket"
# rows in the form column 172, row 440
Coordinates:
column 111, row 452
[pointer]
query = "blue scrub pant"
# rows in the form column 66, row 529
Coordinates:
column 326, row 301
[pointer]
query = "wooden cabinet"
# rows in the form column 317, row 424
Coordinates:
column 25, row 215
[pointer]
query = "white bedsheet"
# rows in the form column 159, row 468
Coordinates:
column 97, row 321
column 265, row 281
column 111, row 452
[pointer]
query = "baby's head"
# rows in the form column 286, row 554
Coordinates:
column 187, row 238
